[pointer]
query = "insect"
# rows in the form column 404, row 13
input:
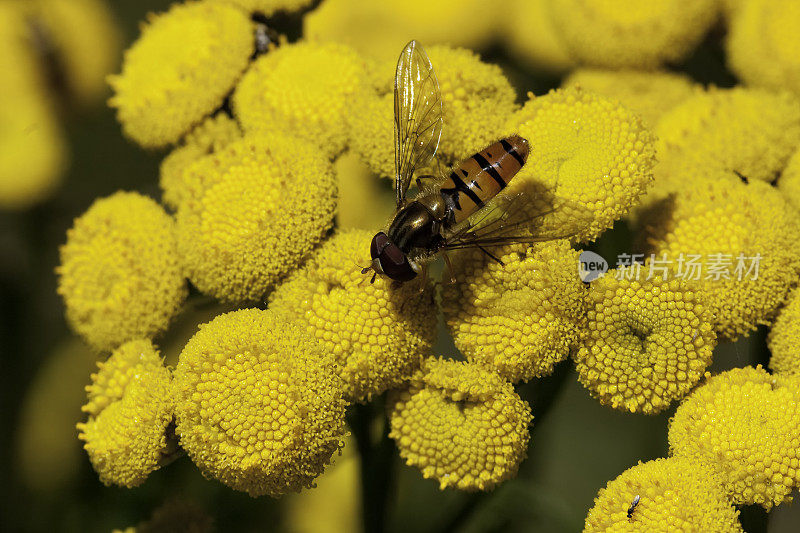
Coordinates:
column 461, row 210
column 634, row 503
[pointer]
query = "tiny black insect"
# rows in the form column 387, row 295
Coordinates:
column 634, row 503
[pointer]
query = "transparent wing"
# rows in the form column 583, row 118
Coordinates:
column 524, row 217
column 417, row 115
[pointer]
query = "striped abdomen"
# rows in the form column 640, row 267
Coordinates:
column 478, row 179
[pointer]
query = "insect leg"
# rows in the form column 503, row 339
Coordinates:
column 491, row 255
column 449, row 267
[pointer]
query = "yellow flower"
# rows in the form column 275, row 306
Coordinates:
column 175, row 515
column 784, row 338
column 532, row 37
column 32, row 151
column 251, row 212
column 127, row 439
column 746, row 425
column 365, row 201
column 521, row 318
column 381, row 29
column 119, row 274
column 594, row 153
column 84, row 38
column 377, row 332
column 647, row 343
column 304, row 89
column 763, row 43
column 461, row 425
column 46, row 455
column 650, row 94
column 259, row 403
column 750, row 131
column 674, row 494
column 180, row 70
column 211, row 135
column 267, row 7
column 334, row 505
column 742, row 236
column 120, row 370
column 614, row 33
column 477, row 100
column 789, row 180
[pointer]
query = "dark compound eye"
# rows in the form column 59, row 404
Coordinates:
column 379, row 242
column 394, row 264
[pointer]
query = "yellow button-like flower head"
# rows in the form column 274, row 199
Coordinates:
column 267, row 7
column 251, row 212
column 120, row 370
column 532, row 36
column 593, row 152
column 763, row 44
column 630, row 33
column 381, row 29
column 477, row 100
column 461, row 425
column 784, row 338
column 650, row 94
column 126, row 439
column 119, row 275
column 212, row 135
column 745, row 424
column 85, row 40
column 305, row 89
column 180, row 70
column 519, row 318
column 647, row 343
column 675, row 494
column 32, row 151
column 259, row 403
column 739, row 240
column 750, row 131
column 789, row 180
column 376, row 331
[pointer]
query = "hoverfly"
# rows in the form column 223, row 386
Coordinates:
column 462, row 210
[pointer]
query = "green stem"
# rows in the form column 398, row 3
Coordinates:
column 377, row 459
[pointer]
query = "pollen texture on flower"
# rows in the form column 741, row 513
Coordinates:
column 594, row 153
column 789, row 180
column 127, row 438
column 259, row 403
column 763, row 43
column 629, row 33
column 739, row 240
column 745, row 424
column 251, row 212
column 521, row 317
column 784, row 338
column 477, row 99
column 180, row 70
column 675, row 494
column 461, row 425
column 212, row 135
column 650, row 94
column 119, row 275
column 750, row 131
column 117, row 372
column 377, row 332
column 647, row 343
column 304, row 89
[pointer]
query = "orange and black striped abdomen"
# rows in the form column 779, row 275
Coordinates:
column 478, row 179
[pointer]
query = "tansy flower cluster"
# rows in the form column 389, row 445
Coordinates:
column 56, row 53
column 264, row 140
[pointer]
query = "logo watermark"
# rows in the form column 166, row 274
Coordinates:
column 695, row 267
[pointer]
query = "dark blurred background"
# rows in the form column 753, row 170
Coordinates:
column 576, row 447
